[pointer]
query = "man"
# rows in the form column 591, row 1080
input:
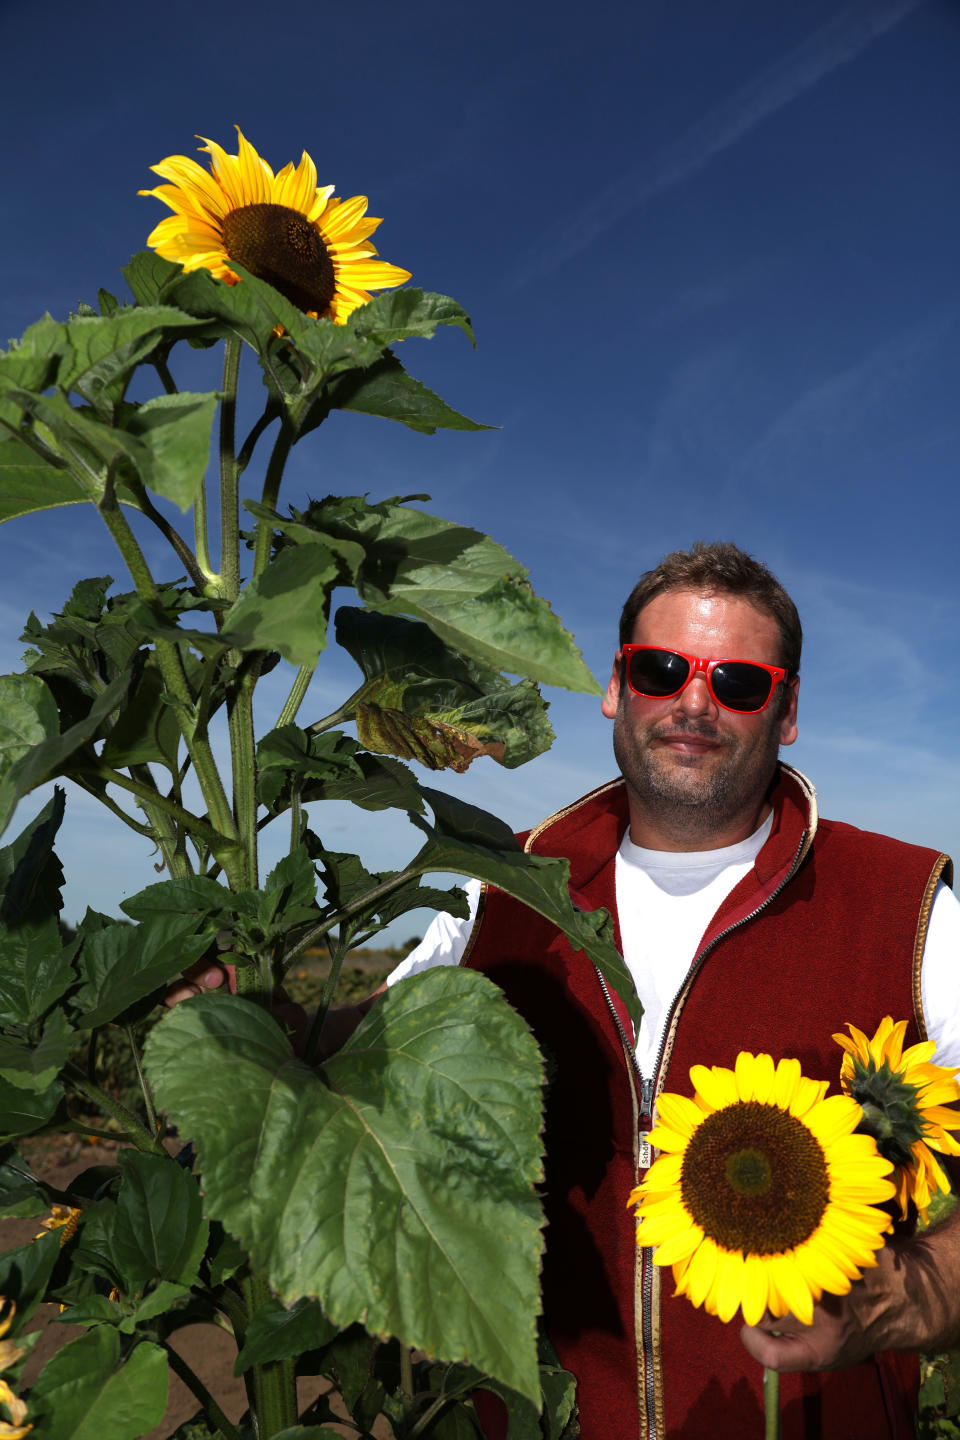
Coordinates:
column 747, row 924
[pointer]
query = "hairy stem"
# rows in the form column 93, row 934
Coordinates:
column 271, row 490
column 295, row 699
column 229, row 474
column 274, row 1383
column 136, row 1133
column 214, row 839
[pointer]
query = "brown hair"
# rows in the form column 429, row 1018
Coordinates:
column 721, row 568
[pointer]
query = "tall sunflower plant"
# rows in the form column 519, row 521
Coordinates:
column 369, row 1216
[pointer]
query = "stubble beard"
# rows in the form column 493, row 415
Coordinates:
column 682, row 794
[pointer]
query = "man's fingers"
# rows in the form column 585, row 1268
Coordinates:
column 198, row 978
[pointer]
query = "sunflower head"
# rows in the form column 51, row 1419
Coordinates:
column 64, row 1218
column 907, row 1104
column 763, row 1197
column 311, row 246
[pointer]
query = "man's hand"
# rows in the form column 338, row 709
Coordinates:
column 204, row 975
column 909, row 1301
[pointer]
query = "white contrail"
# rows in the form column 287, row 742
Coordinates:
column 833, row 45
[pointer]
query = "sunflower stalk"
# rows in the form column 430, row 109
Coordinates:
column 257, row 1172
column 771, row 1404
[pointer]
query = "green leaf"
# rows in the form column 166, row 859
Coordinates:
column 29, row 483
column 469, row 841
column 23, row 1111
column 388, row 391
column 147, row 727
column 28, row 714
column 46, row 759
column 33, row 1063
column 19, row 1194
column 289, row 890
column 290, row 754
column 104, row 349
column 157, row 1222
column 286, row 607
column 275, row 1332
column 32, row 361
column 125, row 963
column 400, row 314
column 25, row 1273
column 193, row 895
column 89, row 1392
column 336, row 1195
column 36, row 970
column 466, row 587
column 383, row 784
column 173, row 452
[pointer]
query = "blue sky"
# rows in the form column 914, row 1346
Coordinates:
column 710, row 256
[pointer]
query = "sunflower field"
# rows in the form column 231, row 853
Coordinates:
column 342, row 1216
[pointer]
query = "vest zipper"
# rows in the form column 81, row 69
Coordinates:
column 648, row 1091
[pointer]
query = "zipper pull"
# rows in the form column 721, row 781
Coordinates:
column 644, row 1151
column 646, row 1096
column 644, row 1148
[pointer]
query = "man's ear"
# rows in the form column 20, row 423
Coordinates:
column 611, row 697
column 788, row 720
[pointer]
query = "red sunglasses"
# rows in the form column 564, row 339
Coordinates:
column 746, row 686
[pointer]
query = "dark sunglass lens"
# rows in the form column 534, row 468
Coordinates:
column 657, row 672
column 741, row 686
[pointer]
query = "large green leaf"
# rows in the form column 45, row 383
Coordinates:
column 88, row 1391
column 25, row 1273
column 388, row 391
column 394, row 1195
column 46, row 759
column 20, row 1195
column 285, row 608
column 469, row 841
column 467, row 588
column 124, row 963
column 28, row 482
column 400, row 314
column 103, row 349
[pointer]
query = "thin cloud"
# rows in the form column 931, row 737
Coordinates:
column 833, row 45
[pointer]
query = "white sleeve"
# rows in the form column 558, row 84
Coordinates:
column 940, row 976
column 444, row 942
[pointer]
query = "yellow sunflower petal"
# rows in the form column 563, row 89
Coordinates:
column 756, row 1289
column 677, row 1113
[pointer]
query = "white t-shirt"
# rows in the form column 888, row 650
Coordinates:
column 665, row 901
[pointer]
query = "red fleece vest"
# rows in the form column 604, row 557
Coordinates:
column 827, row 928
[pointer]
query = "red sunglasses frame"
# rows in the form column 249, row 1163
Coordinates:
column 700, row 665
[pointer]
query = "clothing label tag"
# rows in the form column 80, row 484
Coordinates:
column 645, row 1151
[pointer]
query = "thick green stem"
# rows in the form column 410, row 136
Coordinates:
column 295, row 699
column 176, row 541
column 243, row 755
column 229, row 474
column 171, row 667
column 136, row 1133
column 271, row 491
column 196, row 1386
column 274, row 1382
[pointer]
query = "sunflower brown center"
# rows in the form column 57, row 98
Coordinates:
column 280, row 245
column 755, row 1178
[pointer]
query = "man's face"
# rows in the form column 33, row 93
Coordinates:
column 687, row 761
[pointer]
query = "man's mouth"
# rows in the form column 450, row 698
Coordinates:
column 688, row 742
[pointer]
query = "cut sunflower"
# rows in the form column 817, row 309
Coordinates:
column 906, row 1104
column 17, row 1426
column 311, row 246
column 763, row 1197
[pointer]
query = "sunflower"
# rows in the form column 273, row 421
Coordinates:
column 764, row 1197
column 9, row 1355
column 65, row 1217
column 311, row 246
column 906, row 1106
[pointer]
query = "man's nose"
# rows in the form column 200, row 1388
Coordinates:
column 695, row 698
